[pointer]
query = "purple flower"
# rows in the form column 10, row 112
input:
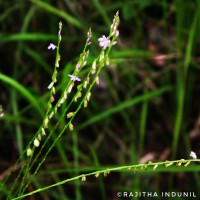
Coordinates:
column 193, row 155
column 105, row 42
column 1, row 115
column 52, row 46
column 74, row 78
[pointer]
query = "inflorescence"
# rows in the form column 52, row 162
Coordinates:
column 83, row 83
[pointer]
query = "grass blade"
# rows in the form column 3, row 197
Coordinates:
column 58, row 12
column 124, row 105
column 23, row 91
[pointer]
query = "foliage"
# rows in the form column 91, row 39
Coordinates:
column 146, row 106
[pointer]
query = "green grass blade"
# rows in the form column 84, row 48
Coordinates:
column 76, row 165
column 23, row 91
column 161, row 168
column 27, row 37
column 101, row 10
column 39, row 59
column 58, row 12
column 143, row 121
column 124, row 105
column 182, row 81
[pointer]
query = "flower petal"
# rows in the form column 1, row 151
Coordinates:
column 52, row 46
column 193, row 155
column 74, row 78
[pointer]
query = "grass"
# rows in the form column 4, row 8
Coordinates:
column 145, row 108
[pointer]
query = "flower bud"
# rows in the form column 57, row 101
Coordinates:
column 71, row 127
column 36, row 142
column 29, row 152
column 70, row 114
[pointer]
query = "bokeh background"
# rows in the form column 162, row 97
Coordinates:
column 145, row 108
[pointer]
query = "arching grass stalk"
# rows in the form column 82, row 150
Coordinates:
column 105, row 172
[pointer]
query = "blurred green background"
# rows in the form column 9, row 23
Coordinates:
column 145, row 108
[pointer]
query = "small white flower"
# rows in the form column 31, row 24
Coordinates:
column 62, row 100
column 101, row 56
column 51, row 115
column 65, row 95
column 85, row 103
column 83, row 178
column 1, row 115
column 52, row 46
column 88, row 96
column 104, row 42
column 70, row 114
column 78, row 96
column 57, row 64
column 155, row 166
column 36, row 142
column 193, row 155
column 70, row 88
column 74, row 78
column 50, row 85
column 187, row 163
column 94, row 65
column 43, row 131
column 46, row 121
column 169, row 164
column 85, row 84
column 29, row 152
column 97, row 80
column 71, row 127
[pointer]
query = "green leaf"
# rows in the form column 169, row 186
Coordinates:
column 23, row 91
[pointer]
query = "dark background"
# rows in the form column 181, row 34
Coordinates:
column 157, row 50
